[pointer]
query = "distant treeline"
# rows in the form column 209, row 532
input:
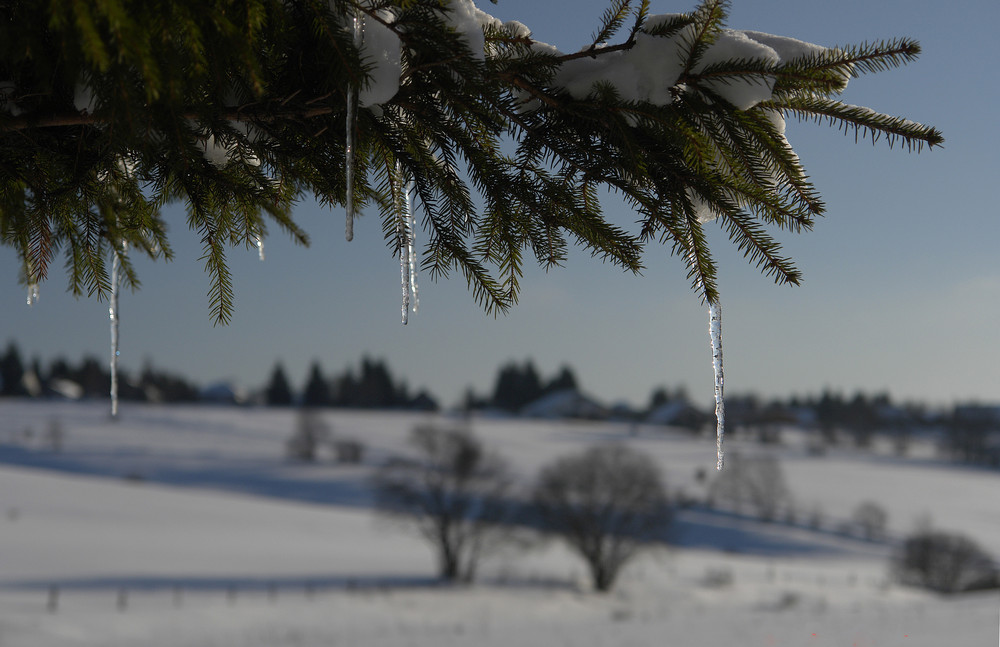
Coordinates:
column 372, row 386
column 969, row 432
column 90, row 378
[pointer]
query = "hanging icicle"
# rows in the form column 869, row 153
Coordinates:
column 400, row 203
column 715, row 331
column 113, row 313
column 260, row 246
column 404, row 237
column 32, row 285
column 411, row 235
column 404, row 269
column 349, row 143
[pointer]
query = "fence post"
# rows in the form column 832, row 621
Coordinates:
column 53, row 603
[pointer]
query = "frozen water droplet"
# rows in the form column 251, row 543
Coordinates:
column 260, row 247
column 715, row 331
column 32, row 294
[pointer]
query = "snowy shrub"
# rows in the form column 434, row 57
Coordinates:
column 717, row 578
column 871, row 519
column 311, row 431
column 608, row 503
column 349, row 451
column 55, row 435
column 944, row 562
column 454, row 491
column 756, row 481
column 815, row 520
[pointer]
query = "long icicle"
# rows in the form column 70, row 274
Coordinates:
column 411, row 226
column 400, row 203
column 113, row 313
column 349, row 143
column 715, row 331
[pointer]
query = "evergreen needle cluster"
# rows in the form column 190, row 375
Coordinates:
column 111, row 109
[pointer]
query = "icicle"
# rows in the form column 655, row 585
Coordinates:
column 32, row 284
column 401, row 204
column 404, row 273
column 352, row 106
column 260, row 247
column 113, row 313
column 411, row 226
column 715, row 330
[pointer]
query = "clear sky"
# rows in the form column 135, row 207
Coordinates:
column 902, row 277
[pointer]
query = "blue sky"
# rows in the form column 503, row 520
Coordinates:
column 902, row 277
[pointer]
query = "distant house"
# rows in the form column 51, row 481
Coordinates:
column 223, row 393
column 678, row 413
column 566, row 403
column 63, row 388
column 623, row 412
column 423, row 402
column 978, row 414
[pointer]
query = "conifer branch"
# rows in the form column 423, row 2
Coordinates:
column 863, row 121
column 236, row 110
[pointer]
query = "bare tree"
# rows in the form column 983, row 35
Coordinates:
column 454, row 491
column 754, row 480
column 608, row 502
column 872, row 519
column 944, row 562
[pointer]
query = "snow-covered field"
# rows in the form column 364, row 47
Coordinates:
column 184, row 526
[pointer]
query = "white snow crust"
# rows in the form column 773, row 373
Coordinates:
column 216, row 539
column 381, row 50
column 645, row 73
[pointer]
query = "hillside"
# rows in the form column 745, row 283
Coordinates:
column 188, row 526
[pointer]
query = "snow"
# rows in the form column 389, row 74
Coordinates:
column 648, row 72
column 215, row 153
column 381, row 51
column 183, row 526
column 736, row 45
column 469, row 20
column 84, row 99
column 644, row 73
